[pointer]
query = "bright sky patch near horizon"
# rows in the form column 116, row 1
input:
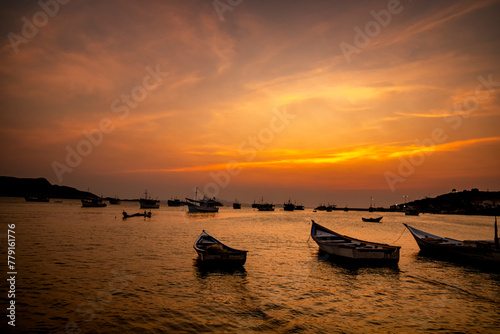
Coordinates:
column 319, row 101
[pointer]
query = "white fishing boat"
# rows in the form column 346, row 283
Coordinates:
column 353, row 250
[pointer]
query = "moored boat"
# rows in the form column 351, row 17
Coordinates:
column 236, row 205
column 148, row 202
column 265, row 207
column 476, row 251
column 353, row 250
column 175, row 202
column 289, row 206
column 93, row 203
column 205, row 205
column 372, row 220
column 213, row 252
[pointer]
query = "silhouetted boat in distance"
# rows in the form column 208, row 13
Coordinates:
column 214, row 253
column 175, row 202
column 328, row 208
column 114, row 201
column 145, row 214
column 236, row 205
column 263, row 206
column 299, row 207
column 352, row 250
column 289, row 206
column 36, row 199
column 205, row 205
column 372, row 220
column 474, row 251
column 148, row 202
column 92, row 203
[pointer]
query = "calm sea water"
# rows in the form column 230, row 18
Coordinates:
column 86, row 270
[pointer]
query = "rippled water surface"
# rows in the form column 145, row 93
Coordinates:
column 87, row 270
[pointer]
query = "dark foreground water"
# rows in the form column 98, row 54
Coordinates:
column 85, row 270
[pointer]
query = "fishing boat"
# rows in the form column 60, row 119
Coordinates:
column 265, row 207
column 148, row 202
column 289, row 206
column 353, row 250
column 175, row 202
column 236, row 205
column 205, row 205
column 299, row 207
column 36, row 199
column 93, row 202
column 145, row 214
column 477, row 251
column 213, row 252
column 372, row 220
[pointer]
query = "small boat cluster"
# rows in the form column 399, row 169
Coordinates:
column 361, row 252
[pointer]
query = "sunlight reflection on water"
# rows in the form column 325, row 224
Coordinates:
column 68, row 255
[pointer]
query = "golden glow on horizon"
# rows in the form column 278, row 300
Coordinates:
column 382, row 153
column 228, row 79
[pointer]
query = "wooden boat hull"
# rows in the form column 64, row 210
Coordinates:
column 212, row 252
column 470, row 251
column 354, row 250
column 228, row 259
column 202, row 209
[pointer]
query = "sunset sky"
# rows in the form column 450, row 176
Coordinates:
column 316, row 101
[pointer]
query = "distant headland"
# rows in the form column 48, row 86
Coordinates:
column 467, row 202
column 37, row 187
